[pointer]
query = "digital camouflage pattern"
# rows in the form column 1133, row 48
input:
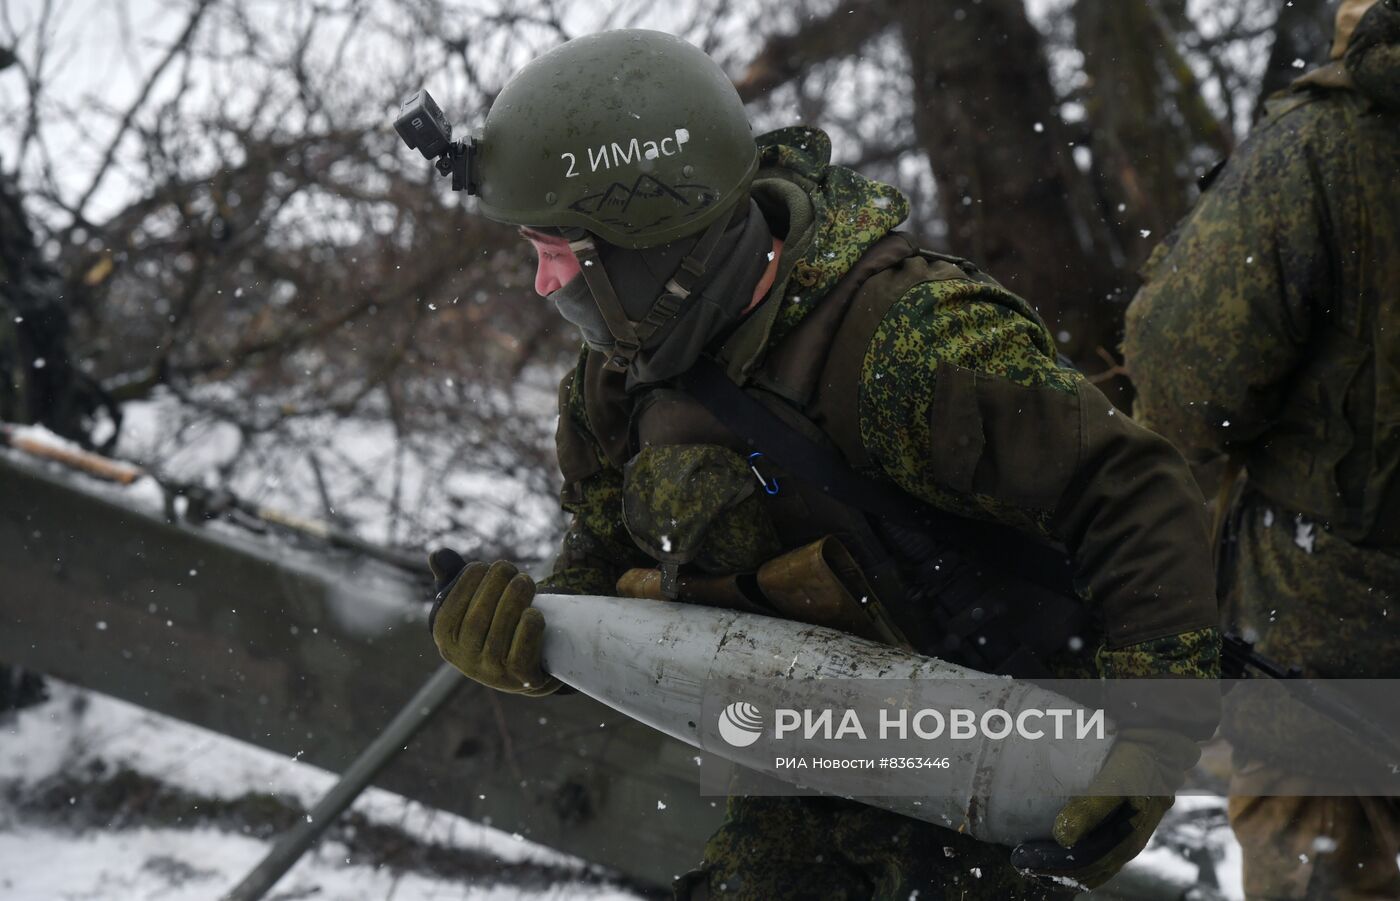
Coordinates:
column 1300, row 587
column 1194, row 654
column 1297, row 600
column 849, row 213
column 597, row 548
column 996, row 375
column 1267, row 330
column 695, row 503
column 955, row 435
column 976, row 326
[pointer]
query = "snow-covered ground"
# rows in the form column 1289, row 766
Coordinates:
column 199, row 864
column 80, row 738
column 89, row 845
column 1197, row 821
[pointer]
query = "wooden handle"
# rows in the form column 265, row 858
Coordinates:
column 90, row 463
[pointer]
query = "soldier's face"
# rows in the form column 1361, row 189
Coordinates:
column 556, row 264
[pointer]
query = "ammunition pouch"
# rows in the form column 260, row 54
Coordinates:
column 821, row 584
column 738, row 591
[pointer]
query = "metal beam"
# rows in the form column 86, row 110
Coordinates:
column 313, row 652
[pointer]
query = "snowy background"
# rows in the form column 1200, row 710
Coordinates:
column 281, row 301
column 100, row 799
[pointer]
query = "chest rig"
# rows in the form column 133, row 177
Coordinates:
column 717, row 498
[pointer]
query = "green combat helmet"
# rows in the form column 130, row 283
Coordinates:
column 634, row 137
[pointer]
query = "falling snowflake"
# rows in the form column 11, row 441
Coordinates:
column 1304, row 535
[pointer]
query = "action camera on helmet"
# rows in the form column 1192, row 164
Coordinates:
column 423, row 127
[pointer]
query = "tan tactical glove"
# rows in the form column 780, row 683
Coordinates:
column 1100, row 831
column 483, row 624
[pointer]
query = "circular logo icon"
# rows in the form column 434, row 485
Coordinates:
column 740, row 724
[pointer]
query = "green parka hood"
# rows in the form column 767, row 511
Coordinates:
column 1373, row 55
column 827, row 215
column 1366, row 58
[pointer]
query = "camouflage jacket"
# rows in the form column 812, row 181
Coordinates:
column 1037, row 448
column 1268, row 329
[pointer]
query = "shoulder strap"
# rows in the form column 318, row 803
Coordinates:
column 823, row 468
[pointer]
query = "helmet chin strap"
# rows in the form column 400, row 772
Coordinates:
column 630, row 335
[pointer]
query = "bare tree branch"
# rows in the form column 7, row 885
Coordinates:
column 180, row 45
column 786, row 56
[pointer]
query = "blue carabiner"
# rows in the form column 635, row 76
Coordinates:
column 769, row 485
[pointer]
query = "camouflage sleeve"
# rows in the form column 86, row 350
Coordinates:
column 596, row 549
column 964, row 405
column 1223, row 316
column 1194, row 655
column 593, row 555
column 1192, row 709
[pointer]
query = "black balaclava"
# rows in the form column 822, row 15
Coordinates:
column 639, row 277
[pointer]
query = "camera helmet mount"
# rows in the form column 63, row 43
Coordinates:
column 423, row 127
